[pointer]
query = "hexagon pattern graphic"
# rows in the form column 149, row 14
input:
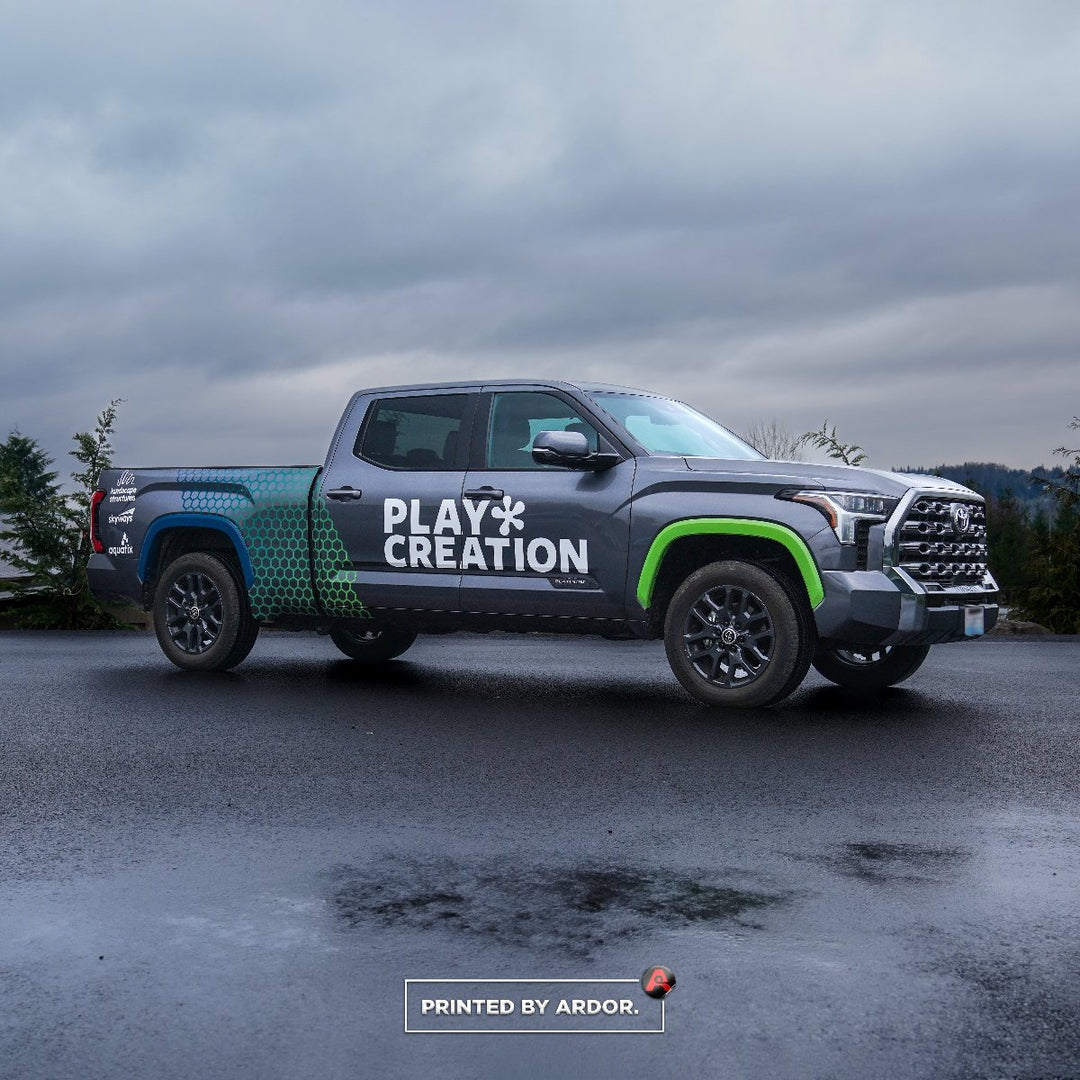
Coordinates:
column 269, row 507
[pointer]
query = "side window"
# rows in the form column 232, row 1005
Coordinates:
column 418, row 433
column 517, row 417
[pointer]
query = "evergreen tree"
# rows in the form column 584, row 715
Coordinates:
column 1011, row 545
column 33, row 514
column 46, row 533
column 825, row 439
column 1054, row 597
column 24, row 468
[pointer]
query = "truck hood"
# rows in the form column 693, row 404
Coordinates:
column 832, row 477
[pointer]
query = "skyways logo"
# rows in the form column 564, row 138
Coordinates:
column 479, row 535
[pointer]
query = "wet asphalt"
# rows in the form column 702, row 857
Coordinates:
column 233, row 875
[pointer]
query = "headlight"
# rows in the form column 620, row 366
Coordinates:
column 843, row 508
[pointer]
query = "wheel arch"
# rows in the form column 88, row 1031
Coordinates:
column 173, row 535
column 684, row 546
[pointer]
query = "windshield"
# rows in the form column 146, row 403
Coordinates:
column 664, row 426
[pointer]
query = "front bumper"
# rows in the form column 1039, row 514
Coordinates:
column 888, row 607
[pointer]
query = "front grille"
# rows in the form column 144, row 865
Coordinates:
column 936, row 550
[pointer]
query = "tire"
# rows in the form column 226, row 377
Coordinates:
column 768, row 635
column 371, row 646
column 862, row 667
column 202, row 617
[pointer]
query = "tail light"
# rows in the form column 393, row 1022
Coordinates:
column 95, row 540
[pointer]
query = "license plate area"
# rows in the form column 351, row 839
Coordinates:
column 974, row 622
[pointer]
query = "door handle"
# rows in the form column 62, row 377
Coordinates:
column 484, row 493
column 344, row 494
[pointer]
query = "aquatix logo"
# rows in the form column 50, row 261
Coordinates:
column 456, row 539
column 123, row 548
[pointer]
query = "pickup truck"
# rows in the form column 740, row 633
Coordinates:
column 556, row 507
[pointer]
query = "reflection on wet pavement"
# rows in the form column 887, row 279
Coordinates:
column 572, row 909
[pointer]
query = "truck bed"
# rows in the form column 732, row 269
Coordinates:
column 267, row 506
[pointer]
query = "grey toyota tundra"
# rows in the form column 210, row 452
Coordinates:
column 556, row 507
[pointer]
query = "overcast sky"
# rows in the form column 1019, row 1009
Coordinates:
column 234, row 215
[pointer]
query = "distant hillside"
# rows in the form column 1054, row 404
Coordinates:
column 990, row 479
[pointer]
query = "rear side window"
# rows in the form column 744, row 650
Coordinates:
column 415, row 433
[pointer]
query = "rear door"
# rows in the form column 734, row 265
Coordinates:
column 542, row 539
column 386, row 513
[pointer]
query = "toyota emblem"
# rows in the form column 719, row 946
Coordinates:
column 961, row 517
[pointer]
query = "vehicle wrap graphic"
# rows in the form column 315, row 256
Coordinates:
column 767, row 530
column 269, row 507
column 454, row 539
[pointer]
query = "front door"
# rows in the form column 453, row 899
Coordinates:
column 383, row 530
column 543, row 539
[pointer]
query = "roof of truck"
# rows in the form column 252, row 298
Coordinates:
column 476, row 384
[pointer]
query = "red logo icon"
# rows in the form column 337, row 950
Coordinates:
column 658, row 981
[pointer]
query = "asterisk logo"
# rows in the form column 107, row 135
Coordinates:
column 509, row 513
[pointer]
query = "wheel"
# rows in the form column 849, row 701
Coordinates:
column 201, row 614
column 866, row 667
column 371, row 646
column 736, row 635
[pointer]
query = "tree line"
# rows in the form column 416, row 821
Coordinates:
column 1035, row 551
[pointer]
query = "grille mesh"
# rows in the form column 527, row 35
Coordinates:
column 936, row 547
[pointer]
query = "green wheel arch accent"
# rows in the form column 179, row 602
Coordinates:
column 766, row 530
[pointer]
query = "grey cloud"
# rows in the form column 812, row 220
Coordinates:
column 803, row 206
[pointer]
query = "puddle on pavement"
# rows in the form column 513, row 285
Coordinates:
column 884, row 863
column 576, row 910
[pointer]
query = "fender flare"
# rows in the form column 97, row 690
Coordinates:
column 766, row 530
column 194, row 521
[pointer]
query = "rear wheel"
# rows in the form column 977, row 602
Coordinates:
column 868, row 667
column 371, row 646
column 738, row 636
column 202, row 617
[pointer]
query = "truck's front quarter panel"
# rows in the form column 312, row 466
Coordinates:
column 917, row 578
column 735, row 515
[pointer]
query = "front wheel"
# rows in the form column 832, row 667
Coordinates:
column 868, row 667
column 737, row 636
column 371, row 646
column 201, row 614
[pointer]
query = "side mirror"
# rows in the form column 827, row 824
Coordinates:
column 569, row 449
column 560, row 448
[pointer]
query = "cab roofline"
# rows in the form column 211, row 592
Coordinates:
column 474, row 385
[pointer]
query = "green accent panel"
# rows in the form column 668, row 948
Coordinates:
column 336, row 587
column 271, row 511
column 767, row 530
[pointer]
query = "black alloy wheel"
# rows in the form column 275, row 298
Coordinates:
column 202, row 617
column 738, row 635
column 728, row 635
column 869, row 667
column 371, row 646
column 194, row 613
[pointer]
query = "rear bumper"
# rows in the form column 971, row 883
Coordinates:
column 111, row 580
column 888, row 607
